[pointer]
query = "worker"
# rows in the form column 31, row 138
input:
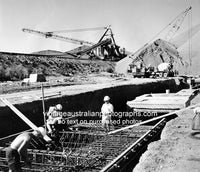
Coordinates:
column 107, row 111
column 18, row 149
column 54, row 117
column 196, row 119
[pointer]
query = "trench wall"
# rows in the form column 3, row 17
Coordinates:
column 84, row 102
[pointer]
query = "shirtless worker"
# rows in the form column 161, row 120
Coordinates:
column 107, row 111
column 18, row 149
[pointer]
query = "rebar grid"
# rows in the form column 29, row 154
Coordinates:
column 86, row 150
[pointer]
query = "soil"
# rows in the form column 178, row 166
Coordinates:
column 100, row 81
column 53, row 65
column 58, row 81
column 178, row 150
column 59, row 71
column 153, row 54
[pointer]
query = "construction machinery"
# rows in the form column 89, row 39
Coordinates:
column 105, row 48
column 158, row 52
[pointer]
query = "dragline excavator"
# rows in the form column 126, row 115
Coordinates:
column 105, row 48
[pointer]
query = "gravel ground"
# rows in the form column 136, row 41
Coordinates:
column 101, row 82
column 178, row 150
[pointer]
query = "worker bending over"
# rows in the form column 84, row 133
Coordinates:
column 107, row 111
column 54, row 117
column 18, row 149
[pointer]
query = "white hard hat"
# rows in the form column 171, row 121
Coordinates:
column 196, row 110
column 59, row 107
column 42, row 131
column 106, row 98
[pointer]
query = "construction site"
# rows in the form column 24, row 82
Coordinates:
column 153, row 95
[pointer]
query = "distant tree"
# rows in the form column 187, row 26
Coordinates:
column 2, row 73
column 16, row 72
column 21, row 72
column 8, row 73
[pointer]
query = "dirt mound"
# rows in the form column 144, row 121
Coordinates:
column 158, row 52
column 153, row 54
column 13, row 64
column 122, row 65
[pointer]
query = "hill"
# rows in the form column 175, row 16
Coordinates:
column 68, row 54
column 76, row 50
column 183, row 47
column 160, row 51
column 153, row 54
column 14, row 66
column 48, row 52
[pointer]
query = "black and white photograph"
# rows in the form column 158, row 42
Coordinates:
column 99, row 85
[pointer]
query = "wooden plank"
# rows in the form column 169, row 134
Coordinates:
column 43, row 106
column 153, row 119
column 23, row 117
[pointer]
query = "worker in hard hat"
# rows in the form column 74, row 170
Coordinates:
column 18, row 149
column 196, row 119
column 54, row 117
column 107, row 111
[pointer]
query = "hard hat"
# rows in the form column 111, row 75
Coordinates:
column 196, row 110
column 59, row 107
column 106, row 98
column 42, row 131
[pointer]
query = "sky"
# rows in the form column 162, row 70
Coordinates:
column 133, row 22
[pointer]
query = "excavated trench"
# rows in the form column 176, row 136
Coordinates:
column 87, row 102
column 91, row 102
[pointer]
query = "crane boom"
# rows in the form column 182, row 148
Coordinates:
column 176, row 24
column 59, row 37
column 105, row 48
column 80, row 30
column 107, row 41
